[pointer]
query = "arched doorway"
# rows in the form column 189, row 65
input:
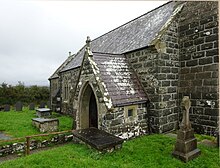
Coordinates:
column 93, row 117
column 88, row 108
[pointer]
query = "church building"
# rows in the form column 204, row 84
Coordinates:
column 130, row 81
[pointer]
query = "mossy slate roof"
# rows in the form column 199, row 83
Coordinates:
column 137, row 33
column 122, row 84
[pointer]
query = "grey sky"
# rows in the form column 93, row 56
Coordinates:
column 36, row 36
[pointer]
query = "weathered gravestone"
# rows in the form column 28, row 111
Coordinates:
column 42, row 105
column 7, row 107
column 186, row 143
column 18, row 106
column 31, row 106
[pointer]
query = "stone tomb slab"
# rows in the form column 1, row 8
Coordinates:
column 43, row 112
column 46, row 124
column 99, row 139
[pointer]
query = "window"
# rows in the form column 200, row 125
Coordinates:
column 65, row 92
column 130, row 113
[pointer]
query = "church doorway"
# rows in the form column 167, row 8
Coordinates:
column 93, row 119
column 88, row 108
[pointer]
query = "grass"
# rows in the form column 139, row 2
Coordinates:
column 19, row 124
column 202, row 137
column 152, row 151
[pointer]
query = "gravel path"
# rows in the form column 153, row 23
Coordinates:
column 16, row 156
column 3, row 136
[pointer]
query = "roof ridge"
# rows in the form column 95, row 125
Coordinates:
column 132, row 20
column 65, row 62
column 63, row 69
column 105, row 53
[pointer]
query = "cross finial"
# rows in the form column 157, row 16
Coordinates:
column 88, row 41
column 88, row 44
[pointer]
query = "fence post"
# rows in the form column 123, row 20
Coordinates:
column 27, row 145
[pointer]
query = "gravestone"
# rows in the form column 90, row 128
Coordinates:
column 186, row 143
column 18, row 106
column 7, row 107
column 42, row 105
column 31, row 106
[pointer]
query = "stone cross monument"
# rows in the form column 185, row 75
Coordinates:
column 186, row 143
column 186, row 125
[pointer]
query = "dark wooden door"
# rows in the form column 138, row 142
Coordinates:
column 93, row 115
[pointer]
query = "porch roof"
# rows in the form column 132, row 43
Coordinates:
column 122, row 84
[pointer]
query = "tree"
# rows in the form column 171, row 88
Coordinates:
column 11, row 94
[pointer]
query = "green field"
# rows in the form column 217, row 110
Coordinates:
column 19, row 124
column 153, row 151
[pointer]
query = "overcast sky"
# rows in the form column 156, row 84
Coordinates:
column 36, row 36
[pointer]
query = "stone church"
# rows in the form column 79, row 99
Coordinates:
column 131, row 80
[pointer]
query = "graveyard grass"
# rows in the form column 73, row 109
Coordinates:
column 19, row 124
column 147, row 151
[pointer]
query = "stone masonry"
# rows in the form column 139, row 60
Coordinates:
column 199, row 58
column 182, row 60
column 68, row 84
column 157, row 68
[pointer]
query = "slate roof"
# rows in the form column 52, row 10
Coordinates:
column 120, row 79
column 137, row 33
column 55, row 74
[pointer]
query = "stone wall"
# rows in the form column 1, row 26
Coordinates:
column 198, row 39
column 68, row 83
column 157, row 67
column 168, row 74
column 54, row 87
column 117, row 123
column 144, row 62
column 20, row 147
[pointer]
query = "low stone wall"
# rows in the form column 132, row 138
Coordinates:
column 20, row 147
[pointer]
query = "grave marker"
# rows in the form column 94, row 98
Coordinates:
column 186, row 143
column 7, row 107
column 31, row 106
column 18, row 106
column 42, row 105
